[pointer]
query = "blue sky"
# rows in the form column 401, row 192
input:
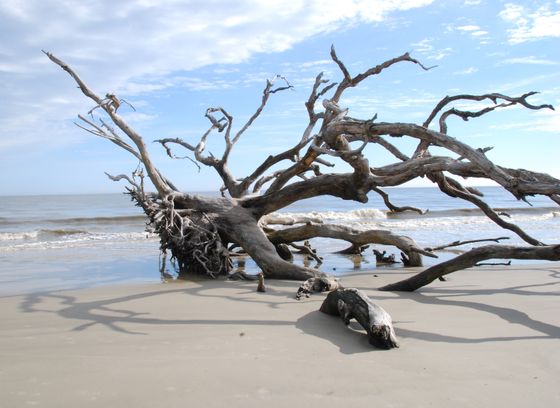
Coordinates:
column 173, row 59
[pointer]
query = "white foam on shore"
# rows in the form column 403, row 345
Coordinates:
column 18, row 236
column 359, row 214
column 76, row 240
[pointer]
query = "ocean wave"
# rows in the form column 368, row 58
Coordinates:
column 369, row 214
column 18, row 236
column 39, row 234
column 78, row 240
column 359, row 214
column 113, row 220
column 100, row 220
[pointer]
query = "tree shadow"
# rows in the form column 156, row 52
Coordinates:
column 110, row 313
column 442, row 296
column 106, row 312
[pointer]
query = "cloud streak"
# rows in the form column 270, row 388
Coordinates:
column 143, row 46
column 529, row 25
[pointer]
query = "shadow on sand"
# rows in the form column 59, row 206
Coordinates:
column 111, row 314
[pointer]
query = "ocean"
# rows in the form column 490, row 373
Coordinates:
column 73, row 241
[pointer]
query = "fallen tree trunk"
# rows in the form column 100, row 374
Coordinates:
column 198, row 230
column 470, row 259
column 354, row 304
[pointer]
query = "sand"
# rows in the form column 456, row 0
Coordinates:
column 488, row 337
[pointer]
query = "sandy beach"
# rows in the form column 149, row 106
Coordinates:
column 488, row 337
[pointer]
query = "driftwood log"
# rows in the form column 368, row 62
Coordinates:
column 354, row 304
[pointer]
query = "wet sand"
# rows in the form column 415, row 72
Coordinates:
column 488, row 337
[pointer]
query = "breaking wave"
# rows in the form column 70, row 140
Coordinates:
column 374, row 214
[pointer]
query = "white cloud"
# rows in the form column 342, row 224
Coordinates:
column 546, row 121
column 523, row 84
column 472, row 29
column 426, row 47
column 423, row 46
column 531, row 25
column 479, row 33
column 467, row 71
column 468, row 28
column 532, row 60
column 134, row 46
column 362, row 106
column 311, row 64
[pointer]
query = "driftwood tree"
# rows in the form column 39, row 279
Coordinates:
column 199, row 232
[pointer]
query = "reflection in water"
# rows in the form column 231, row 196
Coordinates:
column 356, row 260
column 334, row 264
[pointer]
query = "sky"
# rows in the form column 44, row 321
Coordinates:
column 172, row 59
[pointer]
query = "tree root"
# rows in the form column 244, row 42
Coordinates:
column 191, row 238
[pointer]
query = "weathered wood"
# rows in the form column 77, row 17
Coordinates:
column 384, row 258
column 317, row 285
column 352, row 303
column 356, row 237
column 284, row 252
column 260, row 287
column 471, row 258
column 307, row 250
column 470, row 241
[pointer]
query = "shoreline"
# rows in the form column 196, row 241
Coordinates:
column 486, row 337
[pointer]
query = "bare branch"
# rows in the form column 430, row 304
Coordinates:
column 316, row 94
column 522, row 100
column 81, row 84
column 347, row 76
column 165, row 142
column 266, row 95
column 349, row 82
column 393, row 207
column 159, row 182
column 471, row 258
column 124, row 177
column 460, row 243
column 389, row 147
column 112, row 136
column 454, row 189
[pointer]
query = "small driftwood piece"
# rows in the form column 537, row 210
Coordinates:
column 384, row 258
column 317, row 285
column 308, row 250
column 352, row 303
column 261, row 288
